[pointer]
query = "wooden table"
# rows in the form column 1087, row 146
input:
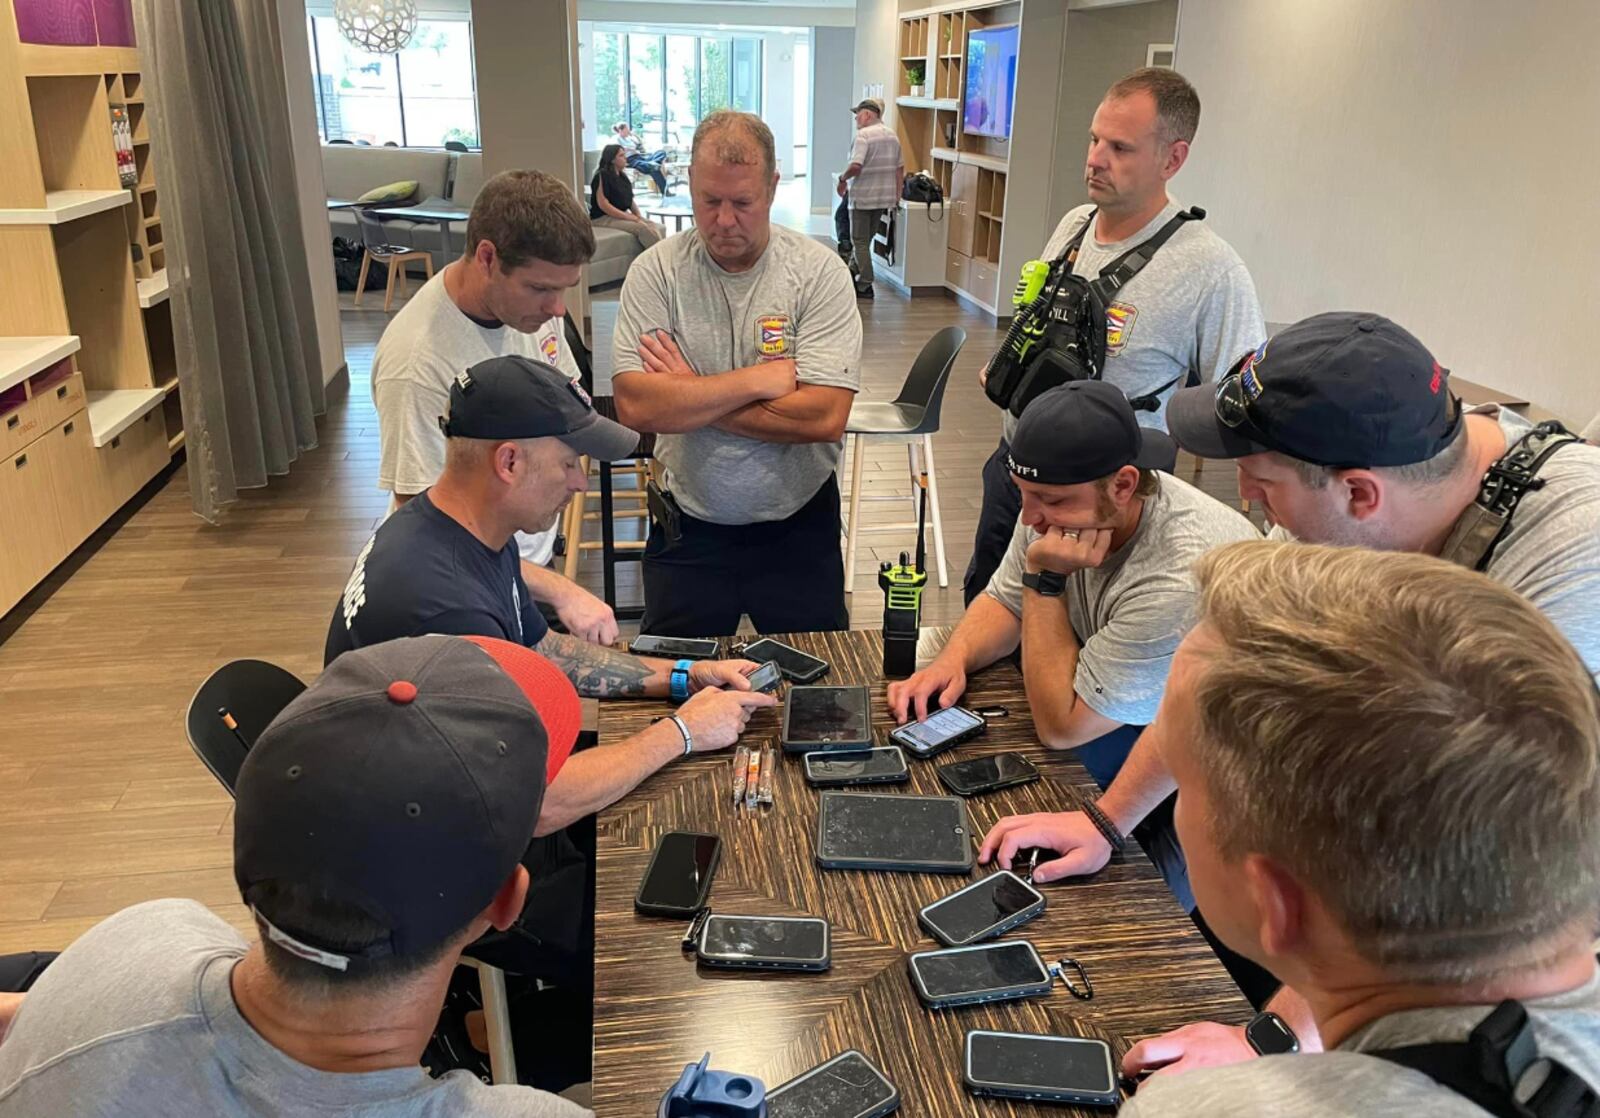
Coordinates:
column 655, row 1011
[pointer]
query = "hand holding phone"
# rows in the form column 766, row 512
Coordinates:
column 765, row 677
column 941, row 684
column 938, row 732
column 1079, row 846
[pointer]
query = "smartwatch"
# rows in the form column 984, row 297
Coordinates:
column 1046, row 584
column 1269, row 1036
column 678, row 681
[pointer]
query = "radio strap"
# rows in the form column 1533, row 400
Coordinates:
column 1479, row 530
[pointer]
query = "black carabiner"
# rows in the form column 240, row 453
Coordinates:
column 1059, row 970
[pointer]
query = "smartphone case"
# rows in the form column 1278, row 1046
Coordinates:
column 1016, row 919
column 839, row 861
column 853, row 743
column 817, row 671
column 642, row 907
column 978, row 997
column 709, row 654
column 895, row 736
column 853, row 781
column 887, row 1106
column 808, row 965
column 987, row 1089
column 979, row 789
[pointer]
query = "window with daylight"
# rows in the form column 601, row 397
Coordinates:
column 423, row 96
column 664, row 84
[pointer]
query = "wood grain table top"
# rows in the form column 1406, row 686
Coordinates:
column 656, row 1011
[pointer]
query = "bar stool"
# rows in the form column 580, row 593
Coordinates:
column 913, row 416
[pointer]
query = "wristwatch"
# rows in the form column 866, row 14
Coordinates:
column 1047, row 584
column 1269, row 1036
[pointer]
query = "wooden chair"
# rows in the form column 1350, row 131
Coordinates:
column 375, row 246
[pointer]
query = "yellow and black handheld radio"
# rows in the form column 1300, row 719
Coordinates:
column 903, row 584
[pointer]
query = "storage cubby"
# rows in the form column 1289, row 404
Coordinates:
column 102, row 302
column 136, row 122
column 132, row 88
column 72, row 124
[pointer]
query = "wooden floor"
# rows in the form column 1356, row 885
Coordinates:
column 102, row 804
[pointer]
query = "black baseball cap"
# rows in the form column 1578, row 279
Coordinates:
column 1344, row 389
column 519, row 398
column 405, row 781
column 1082, row 431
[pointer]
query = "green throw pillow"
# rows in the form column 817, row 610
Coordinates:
column 394, row 192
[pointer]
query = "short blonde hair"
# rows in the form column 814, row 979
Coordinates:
column 1411, row 740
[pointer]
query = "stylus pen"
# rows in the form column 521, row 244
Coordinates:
column 232, row 723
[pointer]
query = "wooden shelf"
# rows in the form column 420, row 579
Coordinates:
column 908, row 102
column 20, row 358
column 45, row 60
column 175, row 443
column 149, row 221
column 147, row 189
column 956, row 57
column 988, row 162
column 168, row 387
column 946, row 154
column 113, row 412
column 991, row 216
column 913, row 58
column 153, row 290
column 67, row 205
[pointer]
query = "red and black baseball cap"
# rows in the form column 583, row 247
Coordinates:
column 405, row 781
column 1345, row 389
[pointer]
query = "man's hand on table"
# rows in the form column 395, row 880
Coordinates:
column 1204, row 1044
column 908, row 698
column 1080, row 847
column 731, row 674
column 716, row 718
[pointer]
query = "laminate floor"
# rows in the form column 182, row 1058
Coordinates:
column 102, row 804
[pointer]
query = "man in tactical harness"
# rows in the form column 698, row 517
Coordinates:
column 1183, row 313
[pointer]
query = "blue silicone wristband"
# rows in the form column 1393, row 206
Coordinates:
column 680, row 680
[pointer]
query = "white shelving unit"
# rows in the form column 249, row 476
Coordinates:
column 20, row 358
column 61, row 206
column 113, row 412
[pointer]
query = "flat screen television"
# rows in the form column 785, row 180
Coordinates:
column 991, row 81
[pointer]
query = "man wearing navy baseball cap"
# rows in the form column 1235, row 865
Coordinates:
column 379, row 826
column 1095, row 586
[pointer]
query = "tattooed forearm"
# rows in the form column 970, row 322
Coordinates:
column 596, row 671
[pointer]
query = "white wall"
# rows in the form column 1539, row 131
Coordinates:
column 877, row 52
column 1432, row 160
column 777, row 96
column 832, row 70
column 312, row 196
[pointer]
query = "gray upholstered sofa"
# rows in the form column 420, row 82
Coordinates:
column 350, row 170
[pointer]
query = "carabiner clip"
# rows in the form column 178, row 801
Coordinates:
column 1059, row 969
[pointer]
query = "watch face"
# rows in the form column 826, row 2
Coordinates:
column 1269, row 1036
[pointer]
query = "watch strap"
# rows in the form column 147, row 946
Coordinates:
column 1047, row 584
column 678, row 684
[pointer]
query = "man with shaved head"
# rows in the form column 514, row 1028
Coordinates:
column 739, row 343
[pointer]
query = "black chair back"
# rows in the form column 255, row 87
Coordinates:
column 253, row 692
column 454, row 145
column 930, row 373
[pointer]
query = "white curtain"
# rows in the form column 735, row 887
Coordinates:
column 243, row 323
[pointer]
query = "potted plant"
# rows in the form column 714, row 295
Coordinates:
column 915, row 72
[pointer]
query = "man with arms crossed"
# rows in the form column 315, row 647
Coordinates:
column 1343, row 426
column 1190, row 312
column 377, row 830
column 873, row 183
column 1095, row 586
column 740, row 343
column 1388, row 773
column 527, row 242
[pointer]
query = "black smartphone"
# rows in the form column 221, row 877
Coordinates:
column 827, row 718
column 678, row 880
column 765, row 942
column 674, row 648
column 989, row 972
column 885, row 765
column 1044, row 1068
column 982, row 910
column 765, row 678
column 986, row 774
column 938, row 732
column 797, row 666
column 847, row 1086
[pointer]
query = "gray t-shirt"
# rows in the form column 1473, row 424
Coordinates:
column 1345, row 1082
column 137, row 1018
column 1130, row 612
column 797, row 302
column 1551, row 554
column 1192, row 309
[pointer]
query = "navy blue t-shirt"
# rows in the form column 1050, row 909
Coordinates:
column 421, row 573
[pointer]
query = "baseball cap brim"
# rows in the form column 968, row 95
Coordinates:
column 1192, row 419
column 602, row 439
column 549, row 691
column 1157, row 451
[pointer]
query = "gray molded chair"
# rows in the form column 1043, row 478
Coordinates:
column 254, row 692
column 375, row 246
column 912, row 416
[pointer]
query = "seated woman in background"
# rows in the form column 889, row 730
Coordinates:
column 611, row 202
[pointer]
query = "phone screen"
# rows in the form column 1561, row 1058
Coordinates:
column 980, row 772
column 766, row 677
column 683, row 863
column 824, row 714
column 964, row 915
column 975, row 970
column 1049, row 1062
column 938, row 728
column 856, row 764
column 844, row 1087
column 755, row 937
column 791, row 660
column 676, row 646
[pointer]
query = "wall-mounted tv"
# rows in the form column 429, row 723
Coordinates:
column 991, row 81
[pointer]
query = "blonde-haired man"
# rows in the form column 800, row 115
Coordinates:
column 1396, row 810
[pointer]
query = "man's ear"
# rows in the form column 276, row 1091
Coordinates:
column 508, row 901
column 485, row 256
column 1363, row 492
column 1280, row 905
column 1177, row 156
column 1124, row 482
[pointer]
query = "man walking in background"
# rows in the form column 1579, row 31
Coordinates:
column 873, row 182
